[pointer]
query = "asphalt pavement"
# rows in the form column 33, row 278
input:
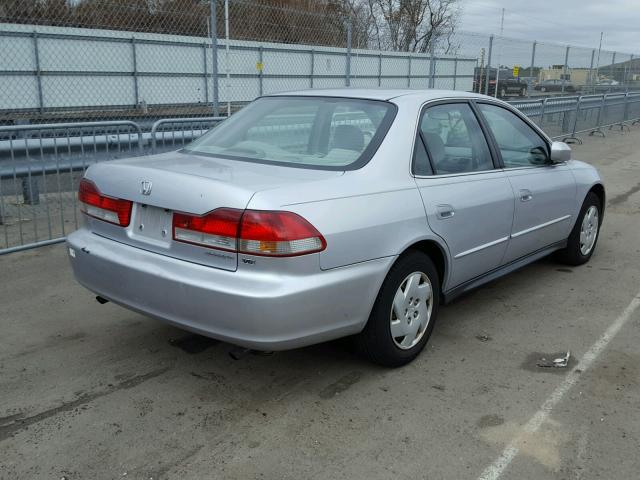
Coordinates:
column 93, row 391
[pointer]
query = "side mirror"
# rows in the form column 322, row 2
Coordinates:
column 560, row 152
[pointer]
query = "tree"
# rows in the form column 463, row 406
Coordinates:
column 400, row 25
column 413, row 25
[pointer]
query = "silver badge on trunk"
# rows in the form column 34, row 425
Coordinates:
column 146, row 187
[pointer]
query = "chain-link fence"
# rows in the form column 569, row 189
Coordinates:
column 87, row 60
column 83, row 81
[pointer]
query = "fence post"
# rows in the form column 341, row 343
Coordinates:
column 347, row 74
column 533, row 58
column 227, row 68
column 206, row 76
column 488, row 75
column 214, row 57
column 591, row 77
column 626, row 73
column 380, row 70
column 313, row 66
column 36, row 54
column 260, row 70
column 134, row 59
column 613, row 61
column 564, row 70
column 432, row 67
column 409, row 73
column 455, row 71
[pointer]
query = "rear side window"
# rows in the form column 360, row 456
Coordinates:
column 421, row 164
column 519, row 144
column 453, row 139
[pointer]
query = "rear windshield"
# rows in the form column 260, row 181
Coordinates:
column 315, row 132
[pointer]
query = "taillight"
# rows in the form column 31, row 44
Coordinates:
column 97, row 205
column 218, row 229
column 268, row 233
column 278, row 234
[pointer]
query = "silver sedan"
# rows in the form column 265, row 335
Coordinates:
column 315, row 215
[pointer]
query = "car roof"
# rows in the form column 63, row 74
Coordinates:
column 381, row 93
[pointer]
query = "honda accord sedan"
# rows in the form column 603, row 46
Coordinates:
column 320, row 214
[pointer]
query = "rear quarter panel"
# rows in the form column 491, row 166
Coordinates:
column 358, row 223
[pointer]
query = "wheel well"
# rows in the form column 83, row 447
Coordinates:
column 434, row 251
column 598, row 189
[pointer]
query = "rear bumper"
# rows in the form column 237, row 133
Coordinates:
column 259, row 310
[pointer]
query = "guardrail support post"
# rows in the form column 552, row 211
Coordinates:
column 409, row 73
column 30, row 191
column 575, row 124
column 542, row 109
column 625, row 113
column 598, row 120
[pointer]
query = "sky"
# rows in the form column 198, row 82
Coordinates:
column 572, row 22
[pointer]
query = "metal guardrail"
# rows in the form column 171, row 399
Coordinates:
column 40, row 165
column 159, row 130
column 565, row 117
column 81, row 135
column 52, row 156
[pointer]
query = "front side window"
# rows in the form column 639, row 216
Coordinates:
column 317, row 132
column 519, row 144
column 454, row 140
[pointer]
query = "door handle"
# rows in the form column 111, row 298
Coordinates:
column 445, row 211
column 525, row 195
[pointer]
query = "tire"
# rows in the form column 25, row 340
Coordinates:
column 543, row 89
column 523, row 92
column 580, row 248
column 503, row 92
column 377, row 342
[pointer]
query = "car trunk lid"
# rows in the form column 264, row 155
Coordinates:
column 181, row 182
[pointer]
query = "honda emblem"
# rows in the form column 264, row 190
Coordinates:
column 146, row 187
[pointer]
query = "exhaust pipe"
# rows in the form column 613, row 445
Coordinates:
column 101, row 300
